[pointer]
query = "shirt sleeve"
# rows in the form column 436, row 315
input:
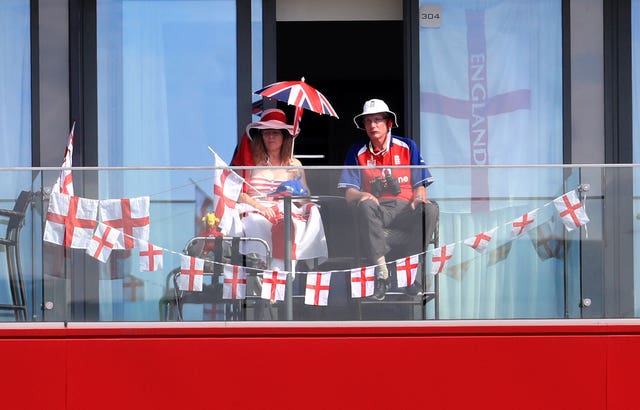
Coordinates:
column 419, row 176
column 350, row 178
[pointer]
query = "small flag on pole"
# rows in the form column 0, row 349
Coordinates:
column 64, row 183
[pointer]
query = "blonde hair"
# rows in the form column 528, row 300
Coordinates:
column 259, row 151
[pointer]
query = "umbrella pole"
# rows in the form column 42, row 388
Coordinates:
column 287, row 258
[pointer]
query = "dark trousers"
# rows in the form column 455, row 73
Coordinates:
column 394, row 223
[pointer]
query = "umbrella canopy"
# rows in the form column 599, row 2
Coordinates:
column 301, row 95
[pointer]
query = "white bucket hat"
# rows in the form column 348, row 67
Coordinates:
column 374, row 106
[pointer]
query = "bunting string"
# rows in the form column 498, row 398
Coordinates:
column 124, row 224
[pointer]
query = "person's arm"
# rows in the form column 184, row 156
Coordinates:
column 245, row 198
column 353, row 195
column 419, row 195
column 303, row 178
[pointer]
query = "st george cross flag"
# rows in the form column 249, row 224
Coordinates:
column 64, row 183
column 129, row 215
column 406, row 270
column 362, row 280
column 273, row 285
column 317, row 289
column 235, row 282
column 151, row 256
column 441, row 256
column 481, row 240
column 105, row 239
column 191, row 273
column 70, row 220
column 523, row 224
column 571, row 210
column 227, row 186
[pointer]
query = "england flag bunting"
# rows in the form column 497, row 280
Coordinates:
column 191, row 273
column 571, row 210
column 129, row 215
column 70, row 220
column 480, row 241
column 317, row 289
column 227, row 186
column 523, row 224
column 406, row 270
column 104, row 240
column 362, row 281
column 441, row 256
column 273, row 285
column 64, row 183
column 151, row 256
column 235, row 282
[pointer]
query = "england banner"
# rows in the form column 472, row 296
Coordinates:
column 523, row 224
column 235, row 282
column 64, row 183
column 441, row 257
column 491, row 93
column 129, row 215
column 362, row 280
column 317, row 289
column 273, row 285
column 70, row 220
column 103, row 241
column 191, row 273
column 227, row 186
column 406, row 270
column 151, row 256
column 480, row 241
column 571, row 210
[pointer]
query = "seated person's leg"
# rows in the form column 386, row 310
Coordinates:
column 370, row 223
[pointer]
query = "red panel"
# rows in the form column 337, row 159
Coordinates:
column 623, row 367
column 591, row 366
column 33, row 374
column 446, row 372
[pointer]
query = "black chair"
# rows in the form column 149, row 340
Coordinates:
column 11, row 242
column 226, row 250
column 397, row 241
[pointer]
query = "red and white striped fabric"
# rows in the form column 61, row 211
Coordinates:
column 191, row 273
column 523, row 224
column 571, row 210
column 70, row 220
column 441, row 257
column 273, row 285
column 64, row 183
column 129, row 215
column 317, row 289
column 235, row 282
column 481, row 240
column 362, row 280
column 406, row 270
column 151, row 256
column 105, row 238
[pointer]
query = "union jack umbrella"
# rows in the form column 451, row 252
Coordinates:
column 301, row 95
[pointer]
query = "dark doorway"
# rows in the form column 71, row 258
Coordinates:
column 349, row 62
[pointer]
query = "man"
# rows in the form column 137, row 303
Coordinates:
column 387, row 197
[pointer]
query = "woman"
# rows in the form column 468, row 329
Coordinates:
column 261, row 210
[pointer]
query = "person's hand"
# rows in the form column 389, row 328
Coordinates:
column 368, row 196
column 267, row 212
column 419, row 199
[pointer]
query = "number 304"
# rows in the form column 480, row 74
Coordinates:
column 430, row 16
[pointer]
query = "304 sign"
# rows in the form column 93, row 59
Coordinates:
column 430, row 16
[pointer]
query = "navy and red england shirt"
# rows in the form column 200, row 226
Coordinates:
column 401, row 151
